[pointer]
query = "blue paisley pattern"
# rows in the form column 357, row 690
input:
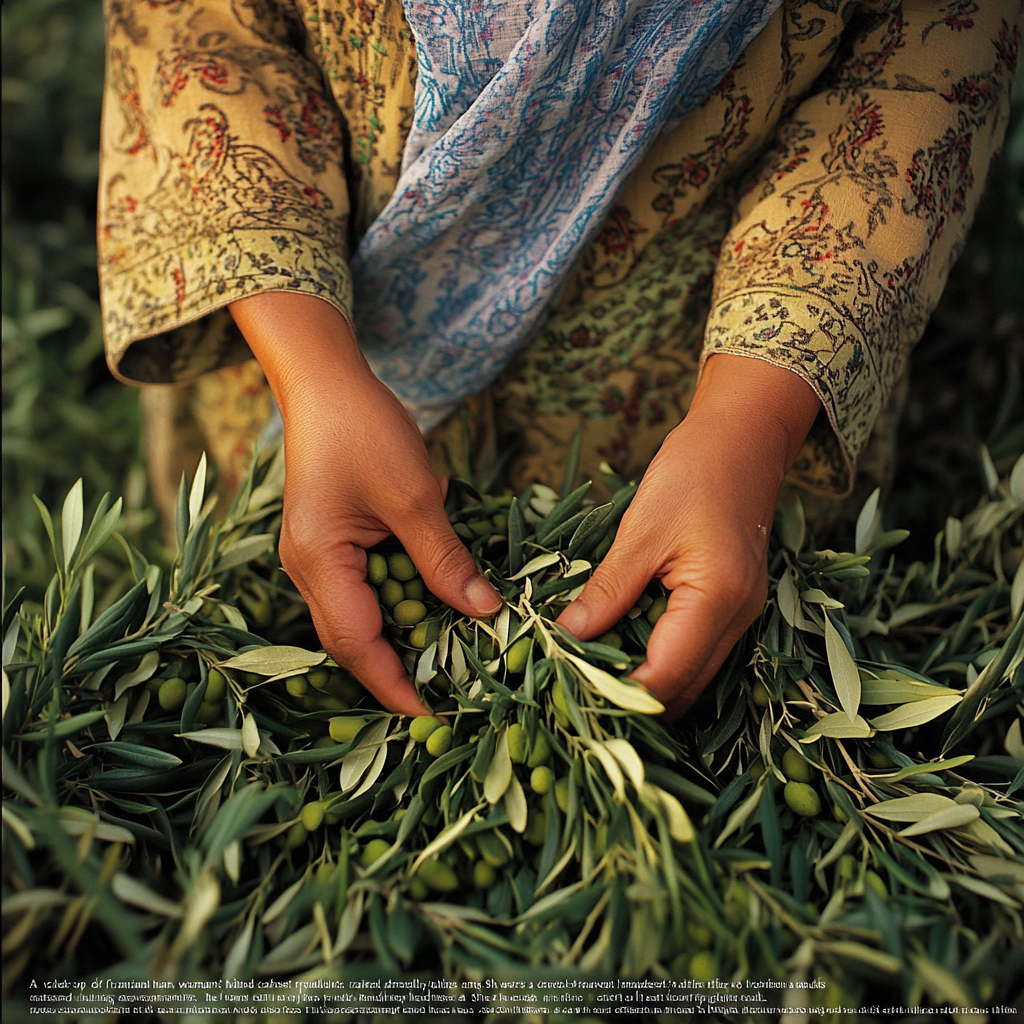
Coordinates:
column 530, row 116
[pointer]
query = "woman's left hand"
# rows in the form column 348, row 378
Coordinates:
column 700, row 523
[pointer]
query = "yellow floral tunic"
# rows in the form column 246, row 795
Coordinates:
column 806, row 214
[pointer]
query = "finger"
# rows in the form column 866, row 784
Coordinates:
column 683, row 641
column 687, row 696
column 613, row 589
column 348, row 622
column 444, row 561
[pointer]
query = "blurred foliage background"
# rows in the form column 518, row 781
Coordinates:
column 64, row 416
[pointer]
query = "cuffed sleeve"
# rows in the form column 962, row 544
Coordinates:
column 842, row 244
column 221, row 177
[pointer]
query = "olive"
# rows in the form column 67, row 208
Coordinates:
column 484, row 875
column 417, row 888
column 558, row 696
column 312, row 815
column 216, row 686
column 408, row 613
column 344, row 729
column 658, row 608
column 517, row 740
column 322, row 741
column 376, row 568
column 400, row 567
column 208, row 713
column 541, row 779
column 190, row 688
column 172, row 694
column 803, row 799
column 762, row 698
column 318, row 678
column 518, row 655
column 296, row 686
column 874, row 881
column 562, row 793
column 540, row 752
column 324, row 873
column 295, row 836
column 612, row 639
column 423, row 634
column 440, row 741
column 536, row 828
column 373, row 851
column 414, row 590
column 703, row 966
column 795, row 766
column 391, row 593
column 420, row 728
column 438, row 876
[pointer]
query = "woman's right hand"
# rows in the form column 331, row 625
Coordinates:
column 356, row 472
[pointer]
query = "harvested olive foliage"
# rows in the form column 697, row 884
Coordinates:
column 185, row 798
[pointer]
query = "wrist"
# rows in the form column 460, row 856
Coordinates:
column 305, row 347
column 754, row 407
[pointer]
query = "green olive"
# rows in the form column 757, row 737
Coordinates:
column 874, row 881
column 295, row 836
column 190, row 688
column 400, row 567
column 438, row 876
column 703, row 966
column 324, row 873
column 540, row 752
column 795, row 766
column 208, row 712
column 542, row 779
column 562, row 793
column 658, row 608
column 373, row 851
column 423, row 634
column 376, row 568
column 484, row 875
column 440, row 741
column 612, row 639
column 322, row 741
column 391, row 593
column 803, row 799
column 172, row 694
column 216, row 686
column 421, row 728
column 518, row 655
column 408, row 613
column 417, row 888
column 318, row 678
column 536, row 828
column 517, row 740
column 414, row 590
column 297, row 686
column 312, row 815
column 558, row 697
column 344, row 729
column 762, row 698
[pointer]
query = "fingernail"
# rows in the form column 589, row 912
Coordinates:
column 574, row 619
column 482, row 596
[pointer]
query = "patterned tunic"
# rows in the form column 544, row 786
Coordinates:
column 807, row 214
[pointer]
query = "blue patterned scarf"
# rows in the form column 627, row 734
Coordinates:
column 530, row 117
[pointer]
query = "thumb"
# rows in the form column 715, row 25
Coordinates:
column 446, row 565
column 613, row 589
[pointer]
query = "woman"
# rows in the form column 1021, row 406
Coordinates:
column 553, row 214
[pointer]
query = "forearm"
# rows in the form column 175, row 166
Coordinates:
column 306, row 348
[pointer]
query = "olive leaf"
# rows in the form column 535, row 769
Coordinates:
column 275, row 661
column 845, row 676
column 917, row 713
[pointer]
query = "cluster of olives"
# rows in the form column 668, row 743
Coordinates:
column 171, row 693
column 323, row 689
column 401, row 591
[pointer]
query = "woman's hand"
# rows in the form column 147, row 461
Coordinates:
column 700, row 523
column 356, row 471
